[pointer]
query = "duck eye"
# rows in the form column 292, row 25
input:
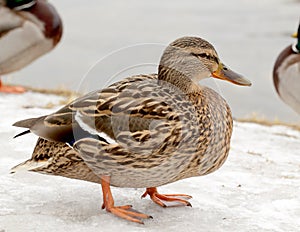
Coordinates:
column 206, row 56
column 19, row 4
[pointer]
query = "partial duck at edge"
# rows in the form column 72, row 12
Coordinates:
column 286, row 74
column 28, row 30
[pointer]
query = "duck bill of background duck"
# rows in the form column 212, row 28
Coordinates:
column 226, row 74
column 297, row 34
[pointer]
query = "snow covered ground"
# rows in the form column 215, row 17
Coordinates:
column 257, row 189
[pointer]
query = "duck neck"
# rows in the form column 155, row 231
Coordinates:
column 296, row 47
column 298, row 44
column 18, row 6
column 176, row 78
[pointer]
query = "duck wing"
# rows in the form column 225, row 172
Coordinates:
column 132, row 105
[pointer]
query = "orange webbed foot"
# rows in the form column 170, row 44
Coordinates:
column 11, row 89
column 126, row 212
column 159, row 198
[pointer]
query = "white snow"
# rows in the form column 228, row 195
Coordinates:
column 257, row 189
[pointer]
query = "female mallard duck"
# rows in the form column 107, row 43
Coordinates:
column 28, row 29
column 144, row 131
column 286, row 74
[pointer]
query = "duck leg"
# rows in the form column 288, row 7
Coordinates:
column 158, row 198
column 126, row 211
column 11, row 89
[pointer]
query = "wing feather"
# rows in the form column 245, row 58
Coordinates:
column 128, row 106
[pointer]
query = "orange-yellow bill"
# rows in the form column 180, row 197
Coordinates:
column 225, row 73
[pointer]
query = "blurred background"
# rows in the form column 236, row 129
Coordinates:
column 248, row 35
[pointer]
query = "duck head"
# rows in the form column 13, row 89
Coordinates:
column 194, row 59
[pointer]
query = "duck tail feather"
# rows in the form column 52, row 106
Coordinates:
column 27, row 123
column 22, row 133
column 29, row 165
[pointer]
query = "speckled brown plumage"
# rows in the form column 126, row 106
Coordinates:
column 58, row 159
column 193, row 140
